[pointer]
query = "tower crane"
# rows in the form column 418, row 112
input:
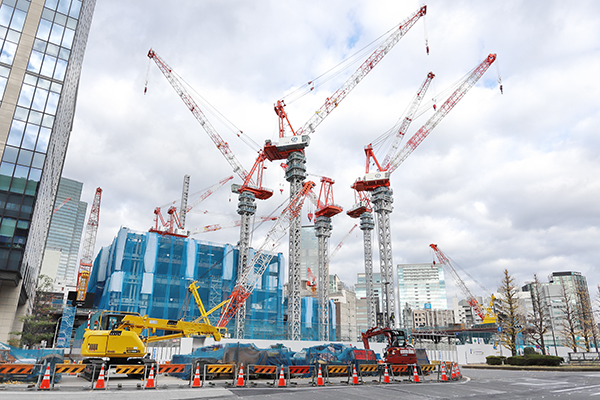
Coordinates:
column 87, row 254
column 249, row 278
column 326, row 208
column 175, row 225
column 378, row 182
column 292, row 148
column 251, row 188
column 487, row 317
column 364, row 210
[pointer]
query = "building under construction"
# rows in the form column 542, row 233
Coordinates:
column 149, row 273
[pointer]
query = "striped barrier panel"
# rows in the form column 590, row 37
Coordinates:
column 397, row 370
column 16, row 369
column 426, row 368
column 69, row 368
column 171, row 368
column 300, row 369
column 368, row 370
column 130, row 369
column 262, row 370
column 338, row 370
column 215, row 369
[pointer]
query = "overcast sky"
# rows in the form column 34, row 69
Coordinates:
column 505, row 180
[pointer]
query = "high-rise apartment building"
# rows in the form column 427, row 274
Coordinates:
column 64, row 234
column 360, row 289
column 42, row 47
column 422, row 286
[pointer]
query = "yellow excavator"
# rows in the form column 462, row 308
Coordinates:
column 122, row 337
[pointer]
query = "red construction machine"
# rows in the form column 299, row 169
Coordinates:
column 398, row 351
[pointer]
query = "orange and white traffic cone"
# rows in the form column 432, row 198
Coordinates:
column 444, row 377
column 354, row 376
column 197, row 382
column 281, row 382
column 240, row 379
column 46, row 381
column 150, row 384
column 386, row 376
column 458, row 373
column 319, row 377
column 100, row 381
column 453, row 375
column 416, row 378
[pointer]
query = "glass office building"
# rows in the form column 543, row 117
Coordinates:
column 66, row 227
column 422, row 286
column 42, row 47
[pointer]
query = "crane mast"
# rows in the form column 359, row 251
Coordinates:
column 89, row 241
column 249, row 278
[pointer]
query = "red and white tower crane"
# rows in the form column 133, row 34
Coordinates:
column 87, row 254
column 175, row 224
column 488, row 316
column 292, row 148
column 377, row 183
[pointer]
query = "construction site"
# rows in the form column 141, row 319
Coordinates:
column 164, row 305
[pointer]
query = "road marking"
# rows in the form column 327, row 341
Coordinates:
column 577, row 388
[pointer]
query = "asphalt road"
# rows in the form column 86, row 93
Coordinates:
column 477, row 384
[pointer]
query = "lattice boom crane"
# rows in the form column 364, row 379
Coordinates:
column 89, row 241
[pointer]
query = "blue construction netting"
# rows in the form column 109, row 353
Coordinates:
column 149, row 273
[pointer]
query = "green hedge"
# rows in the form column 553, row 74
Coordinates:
column 495, row 360
column 535, row 359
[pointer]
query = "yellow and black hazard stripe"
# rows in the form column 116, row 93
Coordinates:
column 337, row 369
column 428, row 367
column 129, row 369
column 16, row 368
column 219, row 368
column 299, row 369
column 369, row 367
column 69, row 368
column 170, row 368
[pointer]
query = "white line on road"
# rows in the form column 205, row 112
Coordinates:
column 577, row 388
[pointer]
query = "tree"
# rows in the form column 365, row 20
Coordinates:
column 586, row 316
column 39, row 325
column 509, row 317
column 538, row 319
column 568, row 324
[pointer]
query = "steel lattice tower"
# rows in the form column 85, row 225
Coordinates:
column 382, row 204
column 323, row 232
column 246, row 209
column 367, row 225
column 295, row 174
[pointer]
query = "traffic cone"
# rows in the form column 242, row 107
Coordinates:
column 240, row 379
column 458, row 373
column 354, row 376
column 319, row 377
column 444, row 377
column 100, row 381
column 281, row 378
column 453, row 374
column 386, row 376
column 197, row 382
column 46, row 381
column 415, row 375
column 150, row 384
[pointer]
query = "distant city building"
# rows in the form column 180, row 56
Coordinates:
column 64, row 235
column 361, row 299
column 345, row 309
column 309, row 252
column 563, row 286
column 422, row 286
column 43, row 43
column 427, row 318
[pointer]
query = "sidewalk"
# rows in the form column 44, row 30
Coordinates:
column 563, row 368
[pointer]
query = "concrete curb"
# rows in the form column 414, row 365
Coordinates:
column 566, row 368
